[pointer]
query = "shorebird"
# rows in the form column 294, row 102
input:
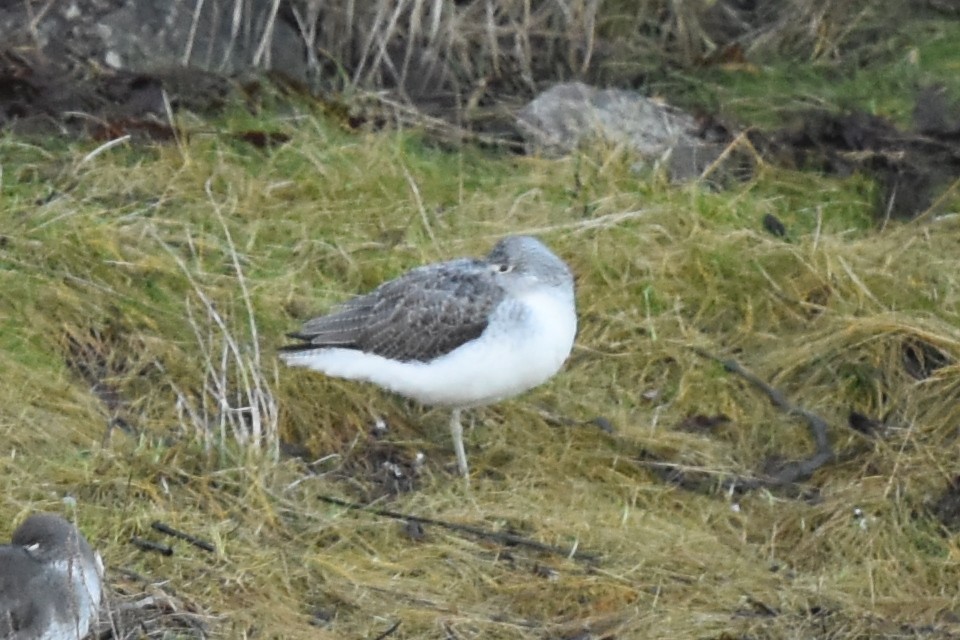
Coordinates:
column 49, row 581
column 457, row 334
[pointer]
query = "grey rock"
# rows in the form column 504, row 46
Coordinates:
column 221, row 36
column 560, row 119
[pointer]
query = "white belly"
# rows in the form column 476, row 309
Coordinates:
column 526, row 343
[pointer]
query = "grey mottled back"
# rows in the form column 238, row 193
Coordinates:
column 421, row 315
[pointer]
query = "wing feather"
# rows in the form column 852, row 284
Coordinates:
column 423, row 314
column 19, row 618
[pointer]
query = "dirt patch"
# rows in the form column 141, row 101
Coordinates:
column 914, row 168
column 41, row 97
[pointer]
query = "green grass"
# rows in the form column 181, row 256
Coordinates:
column 880, row 78
column 120, row 253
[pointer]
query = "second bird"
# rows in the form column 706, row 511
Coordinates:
column 50, row 581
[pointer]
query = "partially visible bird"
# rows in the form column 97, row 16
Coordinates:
column 458, row 334
column 50, row 581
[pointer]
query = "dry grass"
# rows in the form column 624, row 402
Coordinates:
column 169, row 268
column 462, row 53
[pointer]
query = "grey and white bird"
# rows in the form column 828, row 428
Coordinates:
column 457, row 334
column 50, row 581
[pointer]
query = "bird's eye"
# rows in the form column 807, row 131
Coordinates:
column 505, row 268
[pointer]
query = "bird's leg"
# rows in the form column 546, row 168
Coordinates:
column 456, row 430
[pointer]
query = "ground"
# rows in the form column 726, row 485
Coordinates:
column 639, row 494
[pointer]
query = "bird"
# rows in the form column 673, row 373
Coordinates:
column 50, row 581
column 458, row 334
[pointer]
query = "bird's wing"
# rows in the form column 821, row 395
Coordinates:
column 19, row 618
column 423, row 314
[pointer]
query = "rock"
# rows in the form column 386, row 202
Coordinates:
column 561, row 118
column 152, row 35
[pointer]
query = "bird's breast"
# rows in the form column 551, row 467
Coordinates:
column 544, row 330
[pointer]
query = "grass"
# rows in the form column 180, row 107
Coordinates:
column 124, row 289
column 880, row 77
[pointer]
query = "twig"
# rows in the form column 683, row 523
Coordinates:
column 262, row 54
column 106, row 146
column 192, row 35
column 605, row 221
column 926, row 213
column 149, row 545
column 799, row 469
column 372, row 27
column 389, row 632
column 458, row 134
column 742, row 140
column 415, row 190
column 708, row 482
column 170, row 531
column 498, row 536
column 168, row 109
